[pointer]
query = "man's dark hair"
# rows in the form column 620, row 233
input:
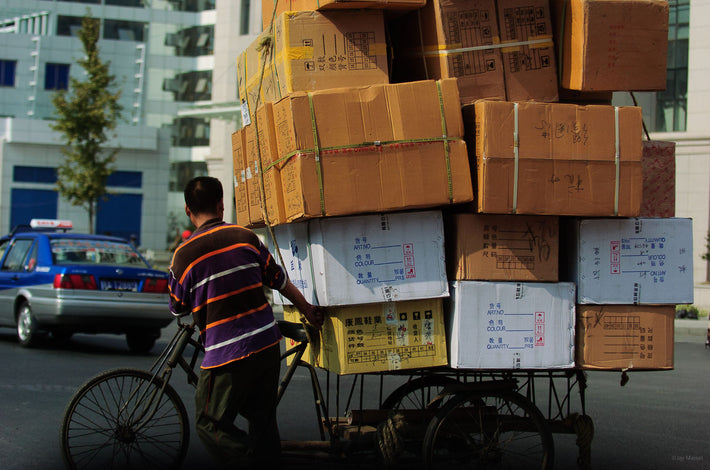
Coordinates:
column 203, row 194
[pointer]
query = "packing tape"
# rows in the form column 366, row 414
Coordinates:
column 617, row 159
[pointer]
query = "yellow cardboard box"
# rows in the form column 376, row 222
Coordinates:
column 620, row 337
column 310, row 50
column 379, row 337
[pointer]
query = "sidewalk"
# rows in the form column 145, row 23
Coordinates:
column 691, row 331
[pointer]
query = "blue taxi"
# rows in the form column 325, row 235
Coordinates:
column 56, row 281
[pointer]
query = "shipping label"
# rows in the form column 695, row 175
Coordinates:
column 393, row 338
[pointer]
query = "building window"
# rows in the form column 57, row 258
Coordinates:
column 671, row 104
column 190, row 86
column 182, row 172
column 68, row 25
column 125, row 179
column 191, row 132
column 34, row 174
column 7, row 73
column 244, row 18
column 124, row 30
column 56, row 76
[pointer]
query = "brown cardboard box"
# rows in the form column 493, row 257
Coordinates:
column 379, row 148
column 612, row 45
column 380, row 337
column 528, row 56
column 253, row 176
column 270, row 165
column 502, row 247
column 267, row 6
column 658, row 166
column 497, row 50
column 313, row 51
column 557, row 159
column 240, row 187
column 451, row 38
column 621, row 337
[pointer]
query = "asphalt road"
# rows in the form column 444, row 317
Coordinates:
column 658, row 420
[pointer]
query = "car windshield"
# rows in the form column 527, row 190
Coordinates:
column 66, row 251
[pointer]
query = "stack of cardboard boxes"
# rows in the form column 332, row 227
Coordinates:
column 448, row 176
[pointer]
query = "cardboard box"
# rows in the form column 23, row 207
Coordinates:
column 366, row 259
column 625, row 337
column 528, row 53
column 379, row 148
column 240, row 187
column 612, row 45
column 497, row 50
column 658, row 166
column 510, row 325
column 502, row 247
column 253, row 177
column 267, row 6
column 380, row 337
column 313, row 51
column 629, row 261
column 557, row 158
column 270, row 166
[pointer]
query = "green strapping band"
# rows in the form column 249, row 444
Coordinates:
column 617, row 159
column 446, row 143
column 516, row 154
column 316, row 150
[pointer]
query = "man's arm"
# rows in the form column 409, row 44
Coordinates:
column 314, row 314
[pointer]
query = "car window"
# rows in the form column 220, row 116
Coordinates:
column 17, row 255
column 32, row 259
column 3, row 247
column 68, row 251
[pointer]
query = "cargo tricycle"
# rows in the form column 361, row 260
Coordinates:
column 433, row 418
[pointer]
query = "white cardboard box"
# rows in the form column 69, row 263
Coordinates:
column 366, row 258
column 631, row 261
column 511, row 325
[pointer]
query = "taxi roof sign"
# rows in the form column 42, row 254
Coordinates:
column 51, row 223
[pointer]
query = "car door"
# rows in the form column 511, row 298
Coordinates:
column 15, row 268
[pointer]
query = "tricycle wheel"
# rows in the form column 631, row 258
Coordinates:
column 488, row 429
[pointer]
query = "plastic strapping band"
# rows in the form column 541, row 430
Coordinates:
column 316, row 150
column 447, row 147
column 516, row 154
column 502, row 45
column 617, row 159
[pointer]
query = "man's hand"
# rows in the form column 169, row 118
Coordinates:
column 314, row 315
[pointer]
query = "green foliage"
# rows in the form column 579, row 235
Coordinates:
column 706, row 255
column 86, row 114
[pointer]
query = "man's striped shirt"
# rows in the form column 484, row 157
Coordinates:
column 219, row 275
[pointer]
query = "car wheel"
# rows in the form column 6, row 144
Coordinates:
column 141, row 341
column 26, row 326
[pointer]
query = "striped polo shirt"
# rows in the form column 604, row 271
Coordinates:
column 219, row 275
